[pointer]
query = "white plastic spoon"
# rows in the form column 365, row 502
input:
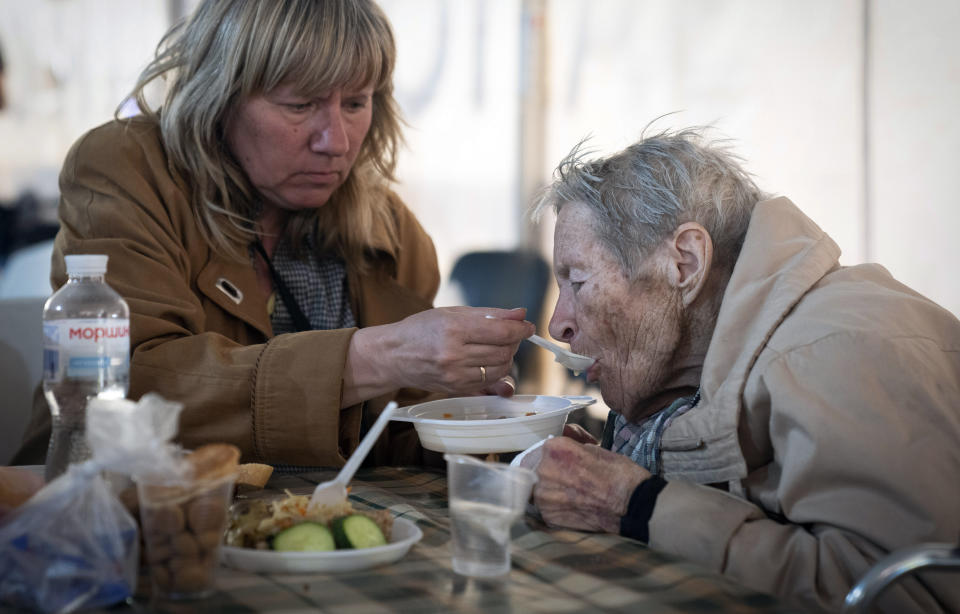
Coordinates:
column 334, row 491
column 574, row 362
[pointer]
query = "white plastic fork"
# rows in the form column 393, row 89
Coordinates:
column 574, row 362
column 334, row 491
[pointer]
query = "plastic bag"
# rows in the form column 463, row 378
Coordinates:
column 72, row 545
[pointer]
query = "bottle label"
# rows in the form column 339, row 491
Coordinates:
column 85, row 348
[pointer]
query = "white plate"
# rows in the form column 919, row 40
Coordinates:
column 491, row 424
column 403, row 535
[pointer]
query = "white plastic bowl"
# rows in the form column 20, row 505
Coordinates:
column 489, row 424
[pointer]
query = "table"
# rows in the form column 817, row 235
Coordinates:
column 553, row 570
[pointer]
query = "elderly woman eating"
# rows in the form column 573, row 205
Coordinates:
column 776, row 416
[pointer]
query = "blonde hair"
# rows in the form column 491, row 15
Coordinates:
column 229, row 50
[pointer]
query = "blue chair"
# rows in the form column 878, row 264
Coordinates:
column 26, row 273
column 505, row 279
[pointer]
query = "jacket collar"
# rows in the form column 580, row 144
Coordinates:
column 783, row 256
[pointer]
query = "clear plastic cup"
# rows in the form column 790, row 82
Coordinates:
column 484, row 501
column 182, row 531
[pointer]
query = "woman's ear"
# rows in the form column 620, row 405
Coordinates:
column 690, row 256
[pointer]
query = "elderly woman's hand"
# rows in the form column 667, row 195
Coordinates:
column 584, row 486
column 454, row 350
column 578, row 433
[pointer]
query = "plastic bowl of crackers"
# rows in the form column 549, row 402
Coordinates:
column 490, row 424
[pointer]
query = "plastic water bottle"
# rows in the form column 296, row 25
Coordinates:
column 86, row 353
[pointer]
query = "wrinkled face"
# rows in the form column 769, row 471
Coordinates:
column 633, row 328
column 297, row 150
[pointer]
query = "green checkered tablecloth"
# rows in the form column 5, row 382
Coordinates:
column 553, row 570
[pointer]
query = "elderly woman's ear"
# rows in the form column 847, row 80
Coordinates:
column 689, row 254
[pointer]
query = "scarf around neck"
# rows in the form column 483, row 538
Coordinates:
column 641, row 442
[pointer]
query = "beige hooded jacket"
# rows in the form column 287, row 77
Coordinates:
column 831, row 420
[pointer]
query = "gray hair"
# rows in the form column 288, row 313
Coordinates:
column 229, row 50
column 640, row 195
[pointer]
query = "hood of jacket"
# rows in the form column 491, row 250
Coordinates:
column 784, row 255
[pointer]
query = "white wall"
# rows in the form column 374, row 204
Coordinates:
column 915, row 132
column 780, row 78
column 68, row 65
column 456, row 81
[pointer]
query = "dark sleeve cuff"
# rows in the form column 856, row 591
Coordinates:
column 606, row 440
column 636, row 522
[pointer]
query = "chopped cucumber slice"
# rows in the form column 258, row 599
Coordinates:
column 306, row 536
column 356, row 531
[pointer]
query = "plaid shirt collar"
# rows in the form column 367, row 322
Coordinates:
column 641, row 442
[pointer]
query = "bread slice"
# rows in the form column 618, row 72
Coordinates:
column 214, row 460
column 253, row 476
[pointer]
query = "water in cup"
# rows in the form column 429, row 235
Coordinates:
column 485, row 500
column 482, row 536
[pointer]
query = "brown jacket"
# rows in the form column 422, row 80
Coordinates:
column 276, row 397
column 830, row 414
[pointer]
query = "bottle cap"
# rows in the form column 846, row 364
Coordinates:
column 86, row 264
